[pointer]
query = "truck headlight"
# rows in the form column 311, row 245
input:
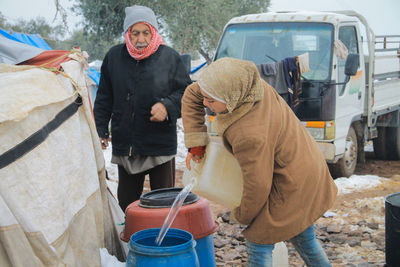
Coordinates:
column 321, row 130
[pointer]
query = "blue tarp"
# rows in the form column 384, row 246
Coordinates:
column 94, row 75
column 31, row 39
column 193, row 70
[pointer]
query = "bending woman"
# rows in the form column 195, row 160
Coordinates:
column 286, row 181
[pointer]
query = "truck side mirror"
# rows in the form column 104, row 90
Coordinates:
column 352, row 64
column 350, row 69
column 186, row 58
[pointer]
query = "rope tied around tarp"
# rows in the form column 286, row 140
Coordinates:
column 56, row 59
column 78, row 53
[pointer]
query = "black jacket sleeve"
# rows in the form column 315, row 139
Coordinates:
column 180, row 81
column 104, row 101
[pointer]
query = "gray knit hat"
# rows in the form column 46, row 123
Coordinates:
column 135, row 14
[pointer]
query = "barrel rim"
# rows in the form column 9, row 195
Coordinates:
column 150, row 200
column 161, row 251
column 390, row 196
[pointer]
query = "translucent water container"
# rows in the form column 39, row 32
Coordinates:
column 218, row 176
column 280, row 257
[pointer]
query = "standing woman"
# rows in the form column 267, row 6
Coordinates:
column 286, row 181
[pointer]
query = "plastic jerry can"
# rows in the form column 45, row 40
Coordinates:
column 218, row 176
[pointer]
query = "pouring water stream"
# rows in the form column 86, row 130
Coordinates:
column 176, row 206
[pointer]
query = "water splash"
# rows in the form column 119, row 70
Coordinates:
column 176, row 206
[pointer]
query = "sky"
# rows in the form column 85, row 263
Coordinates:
column 381, row 14
column 31, row 9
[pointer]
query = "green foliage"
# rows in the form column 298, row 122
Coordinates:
column 96, row 48
column 196, row 26
column 192, row 26
column 102, row 17
column 3, row 22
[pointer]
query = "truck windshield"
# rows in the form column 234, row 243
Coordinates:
column 274, row 41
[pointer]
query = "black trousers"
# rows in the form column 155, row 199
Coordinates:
column 130, row 186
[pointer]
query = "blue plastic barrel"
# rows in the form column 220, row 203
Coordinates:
column 195, row 216
column 205, row 251
column 177, row 249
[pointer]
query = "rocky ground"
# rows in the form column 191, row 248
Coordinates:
column 353, row 236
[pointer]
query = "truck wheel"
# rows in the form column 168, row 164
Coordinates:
column 346, row 166
column 393, row 143
column 380, row 144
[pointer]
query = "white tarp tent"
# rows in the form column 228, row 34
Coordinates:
column 55, row 209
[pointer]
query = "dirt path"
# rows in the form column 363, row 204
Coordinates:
column 381, row 168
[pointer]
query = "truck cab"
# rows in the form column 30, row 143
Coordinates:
column 335, row 105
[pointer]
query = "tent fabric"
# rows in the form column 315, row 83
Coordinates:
column 18, row 48
column 14, row 52
column 54, row 205
column 49, row 59
column 30, row 39
column 18, row 99
column 54, row 59
column 39, row 136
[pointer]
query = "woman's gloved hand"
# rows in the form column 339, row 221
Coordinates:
column 195, row 153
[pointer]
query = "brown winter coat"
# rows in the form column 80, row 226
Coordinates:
column 286, row 181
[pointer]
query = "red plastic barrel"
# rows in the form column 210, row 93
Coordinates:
column 195, row 218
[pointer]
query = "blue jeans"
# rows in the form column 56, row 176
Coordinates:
column 305, row 243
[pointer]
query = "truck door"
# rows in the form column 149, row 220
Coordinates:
column 351, row 96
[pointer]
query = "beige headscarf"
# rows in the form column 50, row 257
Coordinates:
column 234, row 82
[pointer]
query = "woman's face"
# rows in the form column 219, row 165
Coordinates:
column 215, row 105
column 140, row 35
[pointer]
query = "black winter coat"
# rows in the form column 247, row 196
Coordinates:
column 128, row 89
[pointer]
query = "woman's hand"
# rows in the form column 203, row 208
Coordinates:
column 196, row 158
column 196, row 154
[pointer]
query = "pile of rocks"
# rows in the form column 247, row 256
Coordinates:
column 229, row 243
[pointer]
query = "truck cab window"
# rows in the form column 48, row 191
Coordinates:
column 348, row 36
column 273, row 42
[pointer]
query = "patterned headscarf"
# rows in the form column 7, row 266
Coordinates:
column 156, row 41
column 236, row 83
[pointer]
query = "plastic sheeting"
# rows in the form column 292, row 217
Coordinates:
column 14, row 52
column 30, row 39
column 18, row 47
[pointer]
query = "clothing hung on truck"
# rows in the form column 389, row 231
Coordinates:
column 291, row 70
column 284, row 76
column 277, row 79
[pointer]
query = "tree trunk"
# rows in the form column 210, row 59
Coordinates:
column 205, row 55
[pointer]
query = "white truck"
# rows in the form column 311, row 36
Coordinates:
column 345, row 101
